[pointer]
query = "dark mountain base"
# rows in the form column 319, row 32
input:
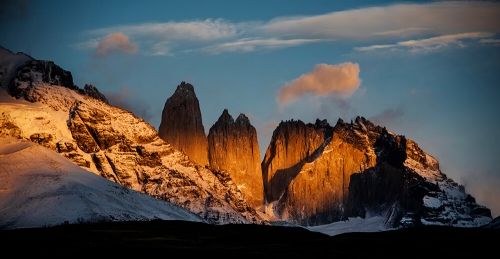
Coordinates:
column 169, row 238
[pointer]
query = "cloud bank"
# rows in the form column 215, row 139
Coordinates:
column 115, row 42
column 339, row 80
column 413, row 26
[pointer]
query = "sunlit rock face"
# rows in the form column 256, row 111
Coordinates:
column 292, row 145
column 359, row 169
column 233, row 147
column 181, row 124
column 314, row 183
column 136, row 157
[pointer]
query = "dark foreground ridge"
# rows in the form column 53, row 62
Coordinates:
column 238, row 240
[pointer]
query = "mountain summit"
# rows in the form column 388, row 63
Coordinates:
column 181, row 124
column 233, row 147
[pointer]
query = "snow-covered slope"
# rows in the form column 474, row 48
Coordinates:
column 373, row 224
column 39, row 187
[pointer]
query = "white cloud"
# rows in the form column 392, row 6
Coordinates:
column 248, row 45
column 393, row 22
column 90, row 44
column 340, row 80
column 495, row 42
column 434, row 43
column 374, row 47
column 206, row 30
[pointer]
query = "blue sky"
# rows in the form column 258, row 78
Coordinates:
column 427, row 70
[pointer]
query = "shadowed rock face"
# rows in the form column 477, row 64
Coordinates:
column 92, row 91
column 233, row 147
column 34, row 72
column 181, row 124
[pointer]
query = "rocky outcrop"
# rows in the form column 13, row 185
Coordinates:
column 181, row 124
column 93, row 92
column 34, row 72
column 134, row 156
column 23, row 77
column 293, row 144
column 317, row 182
column 233, row 147
column 407, row 187
column 359, row 169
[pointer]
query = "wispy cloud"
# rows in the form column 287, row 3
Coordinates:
column 443, row 41
column 374, row 47
column 431, row 23
column 495, row 42
column 434, row 43
column 161, row 38
column 248, row 45
column 388, row 117
column 393, row 21
column 86, row 45
column 128, row 99
column 340, row 80
column 206, row 30
column 115, row 42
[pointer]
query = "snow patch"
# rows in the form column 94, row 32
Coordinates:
column 373, row 224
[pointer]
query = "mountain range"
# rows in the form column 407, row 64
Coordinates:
column 66, row 151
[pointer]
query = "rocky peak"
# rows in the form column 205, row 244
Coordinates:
column 185, row 89
column 321, row 123
column 181, row 124
column 243, row 120
column 92, row 91
column 225, row 118
column 39, row 71
column 233, row 147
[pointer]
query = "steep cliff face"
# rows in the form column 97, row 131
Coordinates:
column 319, row 188
column 233, row 147
column 293, row 144
column 363, row 170
column 119, row 146
column 181, row 124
